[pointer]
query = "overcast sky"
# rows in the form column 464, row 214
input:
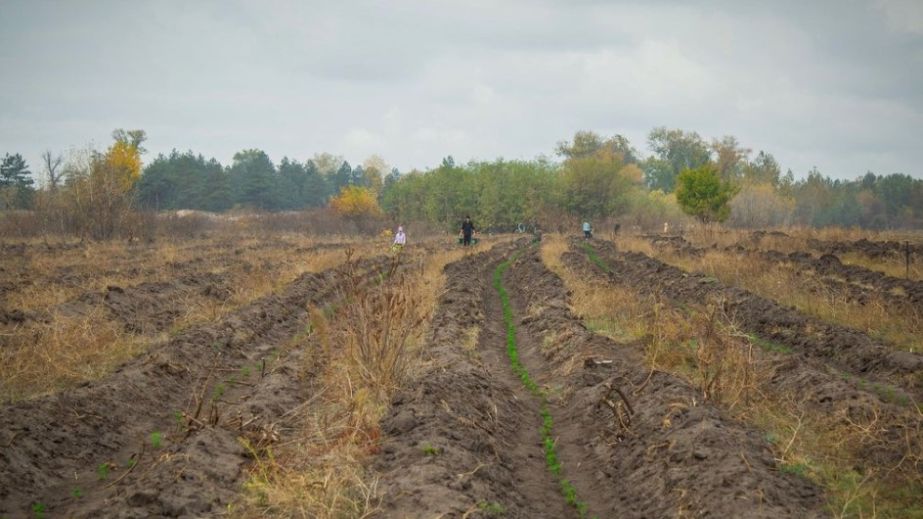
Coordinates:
column 836, row 84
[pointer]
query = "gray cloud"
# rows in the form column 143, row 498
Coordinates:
column 834, row 84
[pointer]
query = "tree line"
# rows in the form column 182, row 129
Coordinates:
column 252, row 180
column 592, row 177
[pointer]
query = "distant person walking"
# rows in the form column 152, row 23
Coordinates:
column 587, row 230
column 400, row 239
column 467, row 230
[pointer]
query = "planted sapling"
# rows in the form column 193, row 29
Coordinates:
column 492, row 508
column 218, row 392
column 429, row 450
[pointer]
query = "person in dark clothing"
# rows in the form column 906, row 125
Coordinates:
column 467, row 230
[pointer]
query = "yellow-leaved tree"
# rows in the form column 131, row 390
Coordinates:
column 355, row 201
column 357, row 204
column 101, row 192
column 124, row 162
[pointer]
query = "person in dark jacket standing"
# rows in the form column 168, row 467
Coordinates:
column 467, row 230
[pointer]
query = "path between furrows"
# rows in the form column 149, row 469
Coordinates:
column 657, row 452
column 822, row 388
column 534, row 479
column 463, row 440
column 55, row 445
column 849, row 350
column 585, row 473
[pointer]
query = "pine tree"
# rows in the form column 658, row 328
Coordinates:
column 15, row 182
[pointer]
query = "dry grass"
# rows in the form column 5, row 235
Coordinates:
column 700, row 346
column 366, row 351
column 901, row 327
column 63, row 353
column 625, row 319
column 734, row 370
column 799, row 240
column 797, row 237
column 893, row 267
column 60, row 349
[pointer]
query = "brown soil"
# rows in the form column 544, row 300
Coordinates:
column 666, row 453
column 858, row 283
column 233, row 378
column 847, row 349
column 150, row 307
column 819, row 387
column 463, row 435
column 872, row 249
column 466, row 433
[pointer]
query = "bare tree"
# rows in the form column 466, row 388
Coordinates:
column 52, row 172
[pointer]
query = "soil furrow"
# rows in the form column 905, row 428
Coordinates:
column 463, row 439
column 86, row 438
column 872, row 249
column 892, row 447
column 563, row 460
column 645, row 444
column 849, row 350
column 151, row 306
column 858, row 283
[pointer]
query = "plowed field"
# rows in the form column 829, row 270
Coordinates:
column 446, row 383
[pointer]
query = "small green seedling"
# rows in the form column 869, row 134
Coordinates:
column 768, row 345
column 218, row 392
column 77, row 493
column 102, row 471
column 38, row 510
column 178, row 416
column 492, row 509
column 429, row 450
column 132, row 462
column 799, row 469
column 156, row 438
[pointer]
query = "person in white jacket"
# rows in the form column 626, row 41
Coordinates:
column 400, row 239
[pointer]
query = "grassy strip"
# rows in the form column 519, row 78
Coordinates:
column 591, row 253
column 551, row 456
